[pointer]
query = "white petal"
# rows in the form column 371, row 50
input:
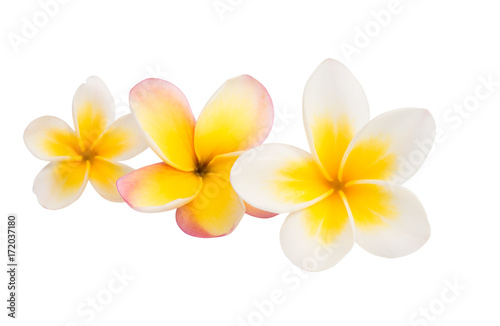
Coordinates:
column 50, row 138
column 319, row 236
column 397, row 226
column 123, row 140
column 279, row 178
column 391, row 147
column 335, row 108
column 103, row 176
column 61, row 183
column 93, row 110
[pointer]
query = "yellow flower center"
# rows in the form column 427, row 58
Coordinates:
column 86, row 150
column 87, row 155
column 338, row 185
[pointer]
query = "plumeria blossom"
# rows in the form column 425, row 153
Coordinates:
column 89, row 153
column 349, row 188
column 197, row 156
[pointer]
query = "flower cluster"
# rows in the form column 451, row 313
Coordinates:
column 214, row 169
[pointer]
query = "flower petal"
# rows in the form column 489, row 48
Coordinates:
column 158, row 188
column 319, row 236
column 238, row 117
column 51, row 139
column 165, row 116
column 103, row 177
column 253, row 211
column 391, row 147
column 389, row 219
column 122, row 141
column 335, row 108
column 279, row 178
column 215, row 211
column 93, row 110
column 61, row 183
column 222, row 164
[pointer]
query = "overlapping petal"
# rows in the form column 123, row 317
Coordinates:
column 93, row 110
column 60, row 183
column 389, row 220
column 318, row 237
column 123, row 140
column 391, row 147
column 158, row 187
column 222, row 164
column 50, row 138
column 255, row 212
column 103, row 177
column 238, row 117
column 335, row 108
column 279, row 178
column 214, row 212
column 165, row 116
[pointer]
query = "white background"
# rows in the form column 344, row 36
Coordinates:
column 430, row 54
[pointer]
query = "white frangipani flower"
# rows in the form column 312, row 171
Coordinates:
column 349, row 189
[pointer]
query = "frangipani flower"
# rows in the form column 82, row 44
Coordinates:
column 197, row 156
column 90, row 153
column 349, row 188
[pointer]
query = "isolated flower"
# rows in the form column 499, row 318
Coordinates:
column 349, row 188
column 90, row 153
column 197, row 156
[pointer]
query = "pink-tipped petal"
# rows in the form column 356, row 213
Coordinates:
column 214, row 212
column 165, row 116
column 253, row 211
column 238, row 117
column 158, row 187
